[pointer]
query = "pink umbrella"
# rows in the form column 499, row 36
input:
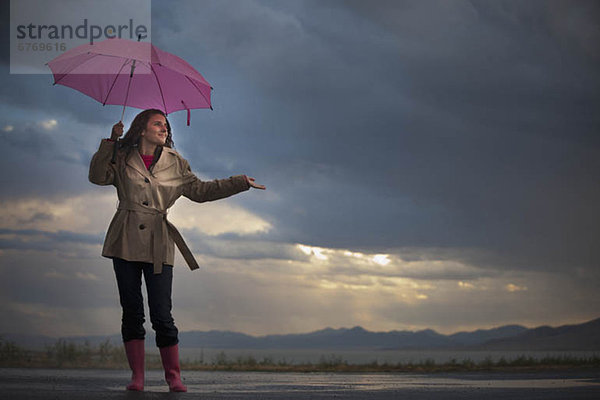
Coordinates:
column 136, row 74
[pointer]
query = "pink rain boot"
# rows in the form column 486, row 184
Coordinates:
column 170, row 362
column 135, row 355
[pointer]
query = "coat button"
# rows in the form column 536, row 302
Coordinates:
column 146, row 180
column 142, row 226
column 145, row 202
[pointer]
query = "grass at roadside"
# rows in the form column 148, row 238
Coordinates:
column 64, row 354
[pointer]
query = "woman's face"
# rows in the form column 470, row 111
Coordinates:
column 156, row 130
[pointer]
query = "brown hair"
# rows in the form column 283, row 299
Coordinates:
column 134, row 134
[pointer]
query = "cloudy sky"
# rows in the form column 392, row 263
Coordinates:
column 429, row 164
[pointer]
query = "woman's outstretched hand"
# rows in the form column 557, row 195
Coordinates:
column 117, row 131
column 254, row 184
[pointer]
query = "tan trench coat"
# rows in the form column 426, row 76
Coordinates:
column 139, row 231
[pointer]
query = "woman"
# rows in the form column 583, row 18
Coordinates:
column 149, row 176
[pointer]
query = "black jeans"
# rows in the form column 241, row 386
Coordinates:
column 129, row 281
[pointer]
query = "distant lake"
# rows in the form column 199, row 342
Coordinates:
column 299, row 356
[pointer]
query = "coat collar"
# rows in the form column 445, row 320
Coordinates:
column 166, row 158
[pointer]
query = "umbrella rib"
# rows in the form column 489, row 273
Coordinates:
column 75, row 66
column 198, row 89
column 159, row 88
column 115, row 81
column 79, row 65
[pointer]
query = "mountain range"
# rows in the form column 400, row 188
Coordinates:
column 585, row 336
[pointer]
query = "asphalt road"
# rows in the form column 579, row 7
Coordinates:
column 36, row 384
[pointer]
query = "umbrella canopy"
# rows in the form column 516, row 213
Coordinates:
column 135, row 74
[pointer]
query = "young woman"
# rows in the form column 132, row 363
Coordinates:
column 149, row 176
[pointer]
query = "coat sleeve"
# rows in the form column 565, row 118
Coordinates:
column 102, row 171
column 201, row 191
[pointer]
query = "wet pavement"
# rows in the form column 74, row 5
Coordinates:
column 109, row 384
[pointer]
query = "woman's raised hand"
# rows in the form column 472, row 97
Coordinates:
column 117, row 131
column 254, row 184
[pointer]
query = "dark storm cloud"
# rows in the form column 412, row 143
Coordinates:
column 49, row 162
column 42, row 281
column 63, row 245
column 509, row 146
column 35, row 93
column 459, row 138
column 43, row 240
column 430, row 124
column 392, row 124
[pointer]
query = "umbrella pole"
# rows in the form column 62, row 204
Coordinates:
column 129, row 83
column 125, row 102
column 122, row 114
column 114, row 156
column 127, row 92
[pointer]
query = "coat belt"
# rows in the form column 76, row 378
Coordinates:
column 159, row 243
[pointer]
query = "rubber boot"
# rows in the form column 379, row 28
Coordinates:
column 170, row 361
column 135, row 355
